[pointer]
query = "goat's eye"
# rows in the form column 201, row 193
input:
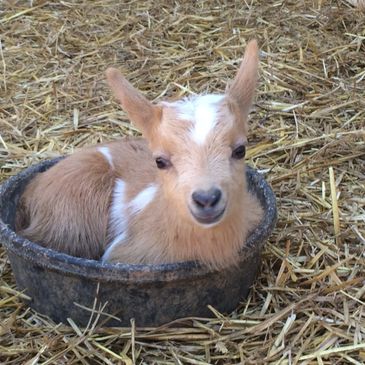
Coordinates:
column 162, row 163
column 239, row 152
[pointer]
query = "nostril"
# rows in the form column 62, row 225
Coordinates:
column 207, row 199
column 200, row 198
column 215, row 197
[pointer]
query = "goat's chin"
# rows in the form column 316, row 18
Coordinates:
column 208, row 219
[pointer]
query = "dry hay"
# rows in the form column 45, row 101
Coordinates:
column 307, row 135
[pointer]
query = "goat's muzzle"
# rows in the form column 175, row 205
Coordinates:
column 207, row 206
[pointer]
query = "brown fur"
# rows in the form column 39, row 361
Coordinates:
column 67, row 208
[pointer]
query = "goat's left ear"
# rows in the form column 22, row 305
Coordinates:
column 242, row 89
column 141, row 111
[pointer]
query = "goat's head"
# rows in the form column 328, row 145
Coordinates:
column 198, row 142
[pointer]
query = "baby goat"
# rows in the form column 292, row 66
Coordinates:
column 112, row 202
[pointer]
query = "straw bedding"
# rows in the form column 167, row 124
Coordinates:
column 307, row 136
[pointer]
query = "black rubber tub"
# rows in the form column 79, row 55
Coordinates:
column 61, row 286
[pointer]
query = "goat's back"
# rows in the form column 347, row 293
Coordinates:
column 67, row 207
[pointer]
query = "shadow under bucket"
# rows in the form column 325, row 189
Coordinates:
column 61, row 286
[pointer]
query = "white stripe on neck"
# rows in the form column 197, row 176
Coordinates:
column 120, row 211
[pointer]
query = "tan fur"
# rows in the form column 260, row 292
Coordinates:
column 67, row 208
column 160, row 234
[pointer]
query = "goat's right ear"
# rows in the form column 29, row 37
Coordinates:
column 243, row 87
column 141, row 111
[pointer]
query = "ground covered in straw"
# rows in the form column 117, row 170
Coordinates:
column 307, row 136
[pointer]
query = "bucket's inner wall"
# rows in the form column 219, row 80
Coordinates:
column 13, row 191
column 9, row 206
column 254, row 188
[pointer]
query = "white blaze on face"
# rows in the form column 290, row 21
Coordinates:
column 202, row 111
column 205, row 117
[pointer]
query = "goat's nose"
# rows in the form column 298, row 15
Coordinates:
column 207, row 198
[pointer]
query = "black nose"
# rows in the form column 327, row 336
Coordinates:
column 207, row 199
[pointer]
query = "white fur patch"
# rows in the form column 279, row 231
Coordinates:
column 205, row 117
column 116, row 242
column 118, row 217
column 106, row 153
column 202, row 111
column 142, row 199
column 120, row 210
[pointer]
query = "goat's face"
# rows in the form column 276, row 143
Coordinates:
column 198, row 142
column 199, row 147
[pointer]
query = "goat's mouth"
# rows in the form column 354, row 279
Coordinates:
column 208, row 217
